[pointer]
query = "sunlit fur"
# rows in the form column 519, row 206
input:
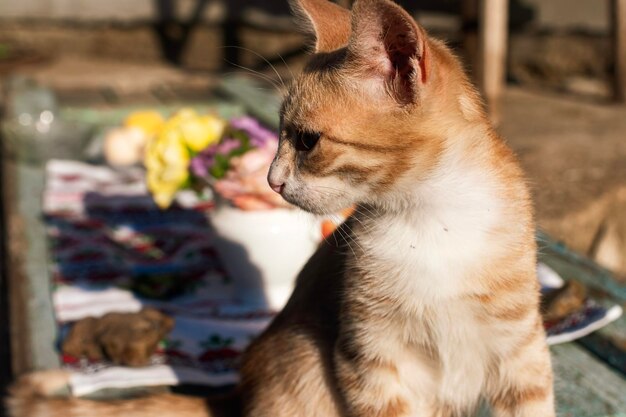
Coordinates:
column 425, row 301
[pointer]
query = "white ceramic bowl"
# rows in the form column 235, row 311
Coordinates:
column 263, row 251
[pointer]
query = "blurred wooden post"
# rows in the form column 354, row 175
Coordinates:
column 492, row 42
column 469, row 16
column 618, row 12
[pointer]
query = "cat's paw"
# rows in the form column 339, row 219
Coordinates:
column 49, row 383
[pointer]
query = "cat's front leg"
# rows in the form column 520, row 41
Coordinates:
column 370, row 383
column 523, row 406
column 524, row 386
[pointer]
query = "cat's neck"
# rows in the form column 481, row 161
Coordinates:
column 442, row 225
column 465, row 174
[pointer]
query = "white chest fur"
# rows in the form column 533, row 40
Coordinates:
column 427, row 251
column 427, row 258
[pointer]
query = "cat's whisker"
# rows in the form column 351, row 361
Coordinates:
column 368, row 215
column 335, row 237
column 353, row 237
column 286, row 65
column 367, row 229
column 263, row 58
column 369, row 210
column 256, row 88
column 349, row 233
column 257, row 73
column 343, row 235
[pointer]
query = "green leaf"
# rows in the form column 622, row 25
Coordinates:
column 219, row 168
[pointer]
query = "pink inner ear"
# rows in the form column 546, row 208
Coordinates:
column 403, row 51
column 400, row 49
column 387, row 40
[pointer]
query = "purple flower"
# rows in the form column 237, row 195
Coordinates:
column 205, row 162
column 226, row 146
column 258, row 134
column 200, row 164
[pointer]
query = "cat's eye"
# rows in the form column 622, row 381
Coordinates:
column 305, row 141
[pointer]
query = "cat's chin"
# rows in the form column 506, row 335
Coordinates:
column 307, row 206
column 319, row 208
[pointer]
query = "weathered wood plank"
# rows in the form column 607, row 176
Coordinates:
column 469, row 17
column 573, row 265
column 585, row 387
column 40, row 313
column 618, row 12
column 18, row 326
column 33, row 330
column 608, row 344
column 492, row 43
column 603, row 345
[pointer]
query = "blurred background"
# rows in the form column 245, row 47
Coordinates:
column 553, row 74
column 559, row 62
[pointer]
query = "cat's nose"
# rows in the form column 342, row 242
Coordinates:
column 277, row 176
column 277, row 187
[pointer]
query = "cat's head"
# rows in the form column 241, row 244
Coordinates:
column 360, row 122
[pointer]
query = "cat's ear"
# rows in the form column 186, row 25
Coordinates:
column 390, row 45
column 328, row 21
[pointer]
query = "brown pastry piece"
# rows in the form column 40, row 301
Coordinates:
column 127, row 339
column 81, row 340
column 564, row 301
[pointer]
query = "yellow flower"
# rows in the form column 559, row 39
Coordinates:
column 182, row 116
column 197, row 132
column 167, row 162
column 171, row 148
column 202, row 131
column 167, row 156
column 185, row 113
column 165, row 182
column 152, row 159
column 163, row 192
column 149, row 121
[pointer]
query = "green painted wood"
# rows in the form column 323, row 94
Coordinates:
column 608, row 344
column 603, row 345
column 258, row 101
column 573, row 265
column 40, row 313
column 585, row 387
column 114, row 116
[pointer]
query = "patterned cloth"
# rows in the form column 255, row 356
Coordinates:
column 590, row 317
column 112, row 249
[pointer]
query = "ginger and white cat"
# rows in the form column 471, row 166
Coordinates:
column 425, row 302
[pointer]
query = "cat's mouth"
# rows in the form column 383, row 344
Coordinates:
column 302, row 200
column 314, row 195
column 313, row 200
